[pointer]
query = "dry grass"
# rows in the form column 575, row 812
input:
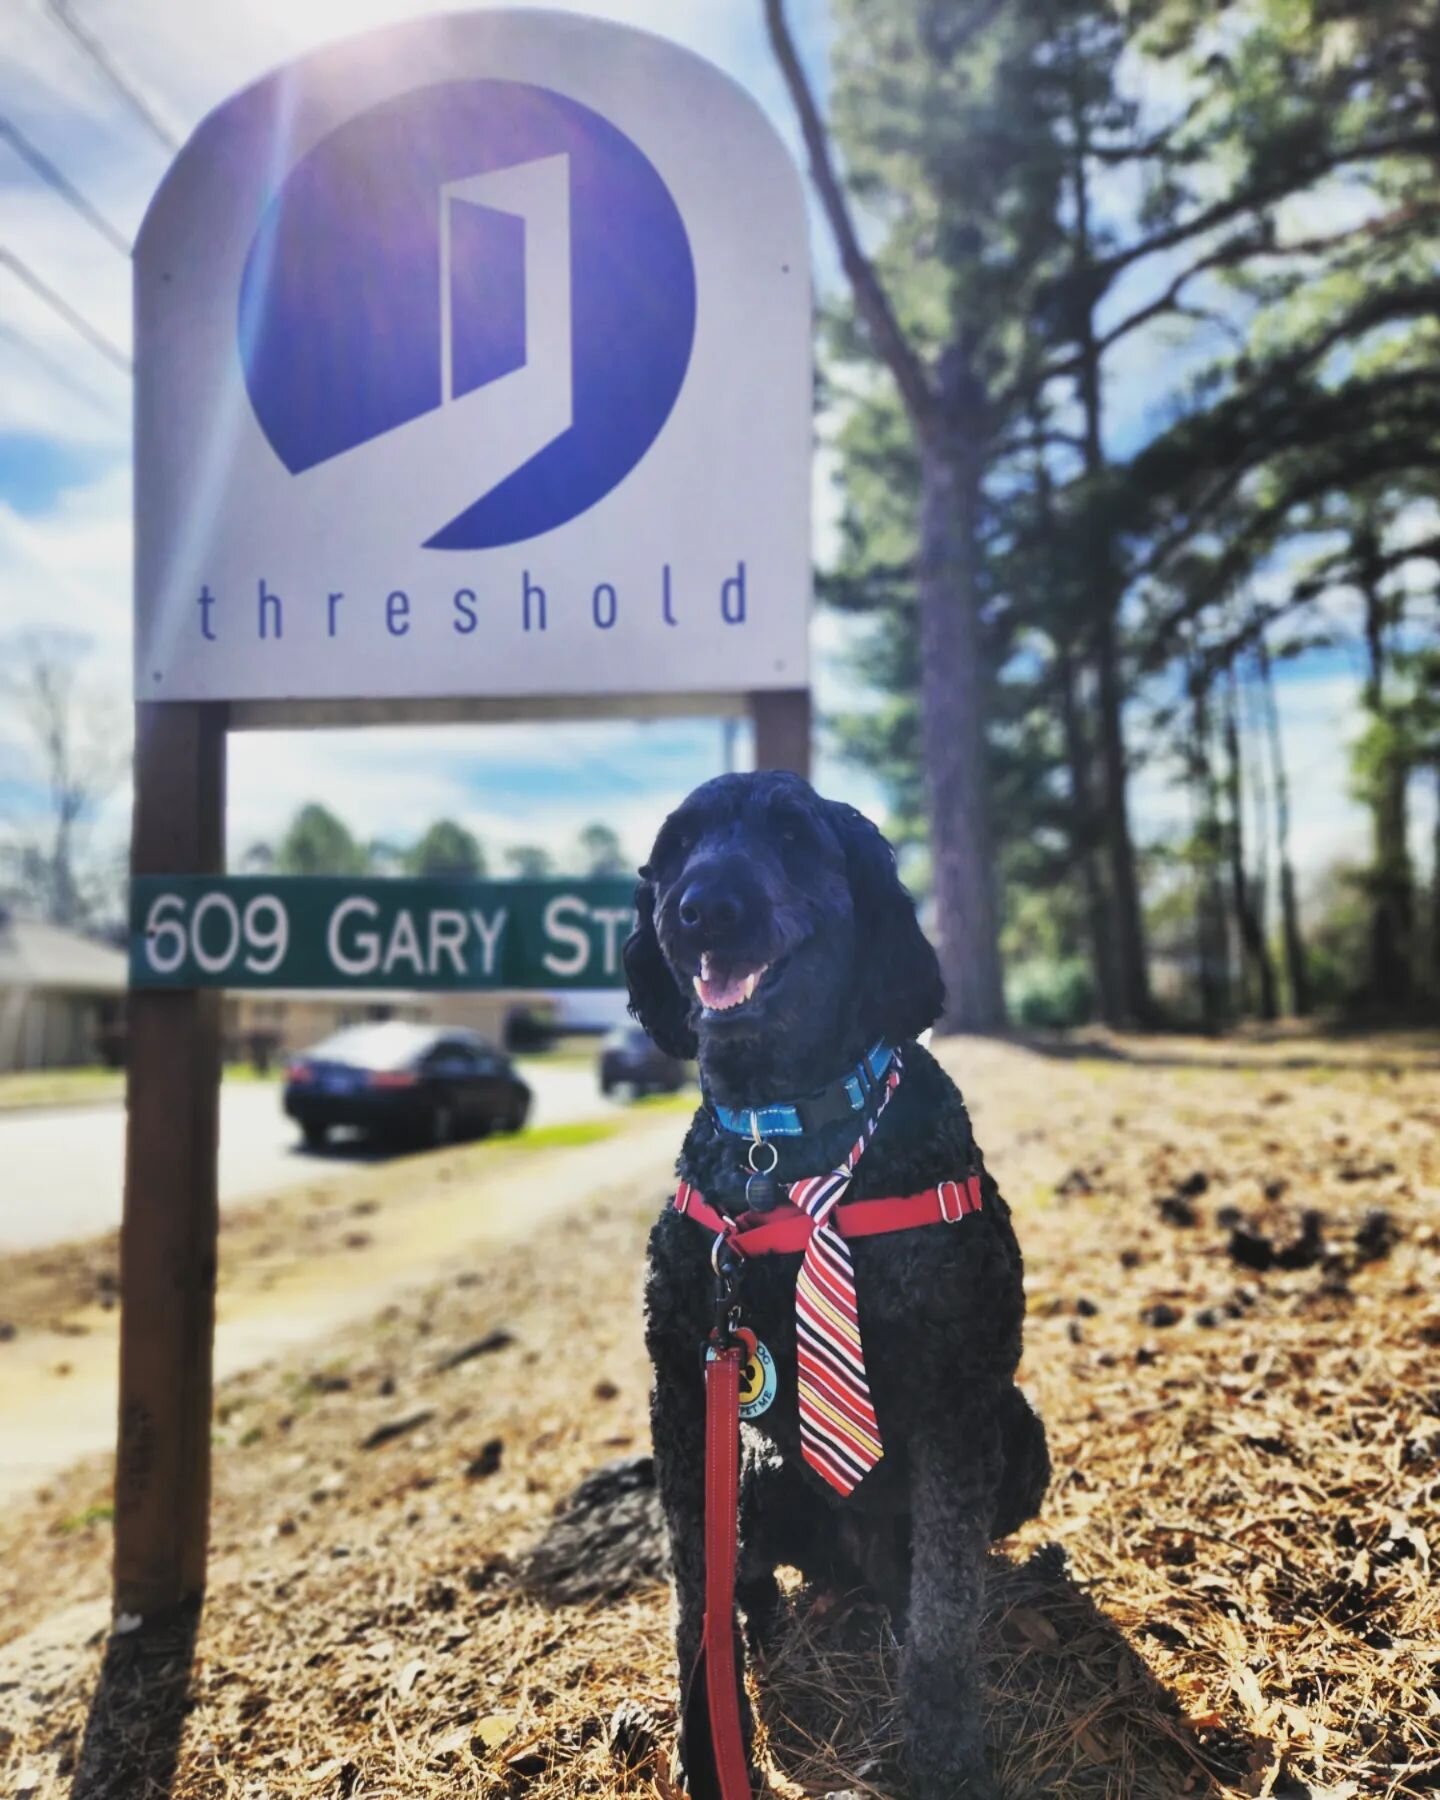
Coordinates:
column 29, row 1088
column 1236, row 1597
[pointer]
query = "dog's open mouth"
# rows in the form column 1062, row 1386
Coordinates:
column 725, row 992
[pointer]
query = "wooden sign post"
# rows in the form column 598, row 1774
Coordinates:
column 472, row 382
column 170, row 1224
column 169, row 1247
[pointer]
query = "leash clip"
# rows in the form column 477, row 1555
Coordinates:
column 726, row 1323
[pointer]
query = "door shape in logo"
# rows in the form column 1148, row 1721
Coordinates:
column 480, row 292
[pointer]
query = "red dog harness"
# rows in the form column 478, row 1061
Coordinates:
column 786, row 1230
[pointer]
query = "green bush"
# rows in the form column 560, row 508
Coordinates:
column 1051, row 993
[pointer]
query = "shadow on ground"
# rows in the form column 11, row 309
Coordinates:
column 349, row 1147
column 1073, row 1712
column 137, row 1714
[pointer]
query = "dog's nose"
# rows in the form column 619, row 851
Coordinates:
column 709, row 906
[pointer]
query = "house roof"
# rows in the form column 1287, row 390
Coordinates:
column 36, row 955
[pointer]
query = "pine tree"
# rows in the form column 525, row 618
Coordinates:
column 944, row 146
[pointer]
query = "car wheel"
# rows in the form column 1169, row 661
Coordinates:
column 316, row 1136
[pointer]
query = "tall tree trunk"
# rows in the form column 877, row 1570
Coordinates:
column 64, row 906
column 952, row 719
column 1435, row 895
column 947, row 411
column 1257, row 975
column 1392, row 878
column 1132, row 971
column 1212, row 942
column 1084, row 836
column 1261, row 887
column 1297, row 970
column 947, row 408
column 1079, row 764
column 1232, row 839
column 1392, row 923
column 1128, row 942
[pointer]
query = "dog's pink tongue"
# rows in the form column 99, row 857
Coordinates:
column 722, row 991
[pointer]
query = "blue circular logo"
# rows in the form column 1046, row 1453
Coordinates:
column 454, row 239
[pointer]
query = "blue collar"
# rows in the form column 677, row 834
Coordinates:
column 840, row 1100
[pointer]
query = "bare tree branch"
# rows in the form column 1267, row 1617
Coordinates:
column 1263, row 192
column 1393, row 456
column 1245, row 246
column 870, row 295
column 1340, row 569
column 1232, row 251
column 1273, row 419
column 79, row 756
column 1039, row 440
column 1395, row 223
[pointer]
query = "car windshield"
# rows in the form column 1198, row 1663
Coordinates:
column 390, row 1045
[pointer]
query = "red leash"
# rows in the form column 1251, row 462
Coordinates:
column 722, row 1504
column 784, row 1231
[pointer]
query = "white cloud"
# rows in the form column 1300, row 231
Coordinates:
column 69, row 567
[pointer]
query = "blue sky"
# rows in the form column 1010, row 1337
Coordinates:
column 64, row 453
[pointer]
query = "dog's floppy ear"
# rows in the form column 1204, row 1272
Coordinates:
column 656, row 1002
column 898, row 988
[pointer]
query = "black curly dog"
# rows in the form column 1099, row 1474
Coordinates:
column 759, row 873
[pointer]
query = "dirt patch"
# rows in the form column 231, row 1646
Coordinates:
column 1229, row 1590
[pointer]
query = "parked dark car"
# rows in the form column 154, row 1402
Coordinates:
column 629, row 1060
column 402, row 1083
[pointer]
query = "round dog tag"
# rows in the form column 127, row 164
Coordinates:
column 757, row 1375
column 757, row 1382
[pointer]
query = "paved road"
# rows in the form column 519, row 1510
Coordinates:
column 60, row 1171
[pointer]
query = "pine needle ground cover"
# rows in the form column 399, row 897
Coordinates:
column 1233, row 1262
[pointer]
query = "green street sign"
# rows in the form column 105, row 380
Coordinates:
column 193, row 931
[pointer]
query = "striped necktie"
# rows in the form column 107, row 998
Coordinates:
column 839, row 1434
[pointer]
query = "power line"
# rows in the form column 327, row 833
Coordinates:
column 57, row 371
column 59, row 11
column 58, row 304
column 37, row 160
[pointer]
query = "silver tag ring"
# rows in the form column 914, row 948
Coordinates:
column 760, row 1144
